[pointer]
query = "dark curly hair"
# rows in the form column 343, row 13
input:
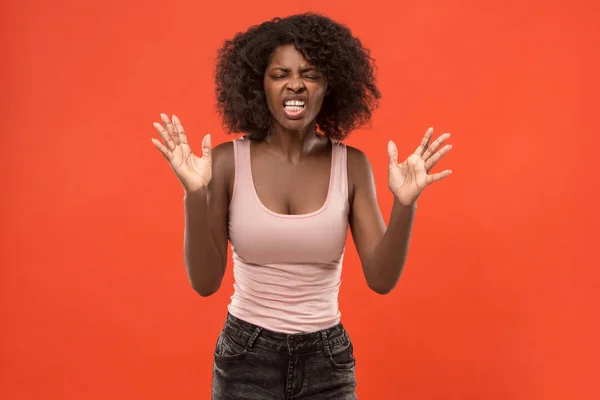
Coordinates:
column 330, row 46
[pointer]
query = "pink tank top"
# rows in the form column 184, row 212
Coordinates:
column 287, row 267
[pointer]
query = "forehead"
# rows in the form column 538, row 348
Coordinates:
column 288, row 56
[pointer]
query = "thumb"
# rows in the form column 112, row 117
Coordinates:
column 392, row 153
column 206, row 146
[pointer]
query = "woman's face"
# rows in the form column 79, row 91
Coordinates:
column 294, row 88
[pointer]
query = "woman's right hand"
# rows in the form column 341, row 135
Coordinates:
column 193, row 172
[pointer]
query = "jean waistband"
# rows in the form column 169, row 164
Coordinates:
column 284, row 342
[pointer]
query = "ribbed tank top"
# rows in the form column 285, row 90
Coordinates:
column 287, row 268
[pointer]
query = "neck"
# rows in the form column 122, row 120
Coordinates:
column 293, row 144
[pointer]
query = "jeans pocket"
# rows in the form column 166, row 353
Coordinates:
column 230, row 346
column 342, row 355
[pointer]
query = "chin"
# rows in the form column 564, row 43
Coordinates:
column 295, row 125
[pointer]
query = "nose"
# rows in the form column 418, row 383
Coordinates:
column 296, row 83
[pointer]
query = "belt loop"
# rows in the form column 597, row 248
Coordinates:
column 254, row 336
column 325, row 341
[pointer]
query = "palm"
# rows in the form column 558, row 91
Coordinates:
column 192, row 171
column 408, row 179
column 185, row 162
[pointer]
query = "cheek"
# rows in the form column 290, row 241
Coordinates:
column 269, row 89
column 319, row 96
column 272, row 98
column 269, row 94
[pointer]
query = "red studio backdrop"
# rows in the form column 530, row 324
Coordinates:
column 499, row 297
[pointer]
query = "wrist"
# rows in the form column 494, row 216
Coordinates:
column 406, row 206
column 195, row 194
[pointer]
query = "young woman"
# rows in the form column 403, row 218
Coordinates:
column 283, row 195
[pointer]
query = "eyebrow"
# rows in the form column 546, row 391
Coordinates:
column 303, row 69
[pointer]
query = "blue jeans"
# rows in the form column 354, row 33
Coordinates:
column 257, row 364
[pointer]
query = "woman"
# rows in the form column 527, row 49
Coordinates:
column 283, row 195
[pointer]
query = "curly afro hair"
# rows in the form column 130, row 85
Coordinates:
column 328, row 45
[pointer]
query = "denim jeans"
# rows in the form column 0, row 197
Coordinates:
column 257, row 364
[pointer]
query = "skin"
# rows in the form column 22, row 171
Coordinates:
column 291, row 173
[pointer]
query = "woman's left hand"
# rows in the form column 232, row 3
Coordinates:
column 407, row 180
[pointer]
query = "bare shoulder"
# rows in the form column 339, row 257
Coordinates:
column 222, row 155
column 359, row 167
column 223, row 166
column 356, row 156
column 360, row 174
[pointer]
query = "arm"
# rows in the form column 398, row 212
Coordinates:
column 206, row 219
column 382, row 251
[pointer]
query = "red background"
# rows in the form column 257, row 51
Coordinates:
column 499, row 298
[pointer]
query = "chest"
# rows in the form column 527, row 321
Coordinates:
column 292, row 188
column 290, row 212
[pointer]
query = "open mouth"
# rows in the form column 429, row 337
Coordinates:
column 294, row 108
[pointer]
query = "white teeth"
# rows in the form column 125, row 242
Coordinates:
column 294, row 103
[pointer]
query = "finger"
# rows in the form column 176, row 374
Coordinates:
column 434, row 146
column 165, row 152
column 179, row 130
column 419, row 151
column 206, row 143
column 430, row 163
column 170, row 128
column 436, row 177
column 392, row 154
column 165, row 136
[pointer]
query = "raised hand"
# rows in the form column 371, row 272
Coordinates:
column 407, row 180
column 193, row 172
